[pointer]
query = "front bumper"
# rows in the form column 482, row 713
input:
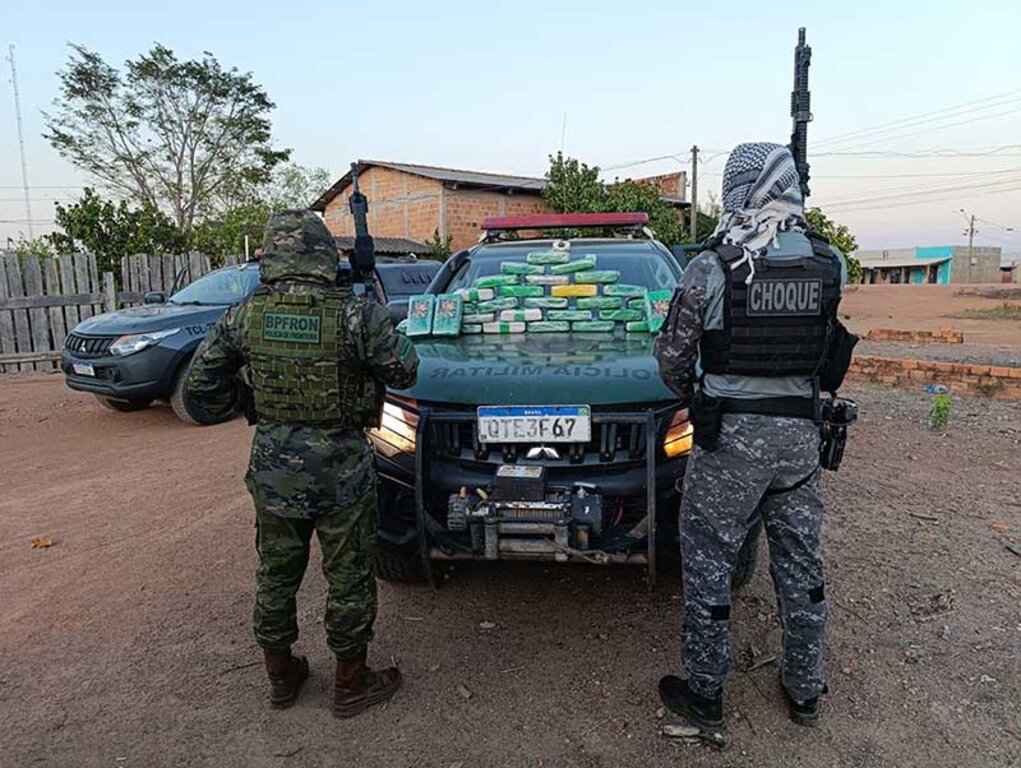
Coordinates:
column 637, row 492
column 143, row 376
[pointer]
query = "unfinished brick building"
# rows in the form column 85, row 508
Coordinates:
column 419, row 202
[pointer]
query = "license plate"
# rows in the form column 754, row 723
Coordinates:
column 83, row 369
column 535, row 424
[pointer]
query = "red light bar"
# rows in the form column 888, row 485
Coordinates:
column 565, row 220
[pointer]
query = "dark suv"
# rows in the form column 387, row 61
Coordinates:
column 477, row 461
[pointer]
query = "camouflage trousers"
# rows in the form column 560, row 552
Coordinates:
column 347, row 537
column 757, row 459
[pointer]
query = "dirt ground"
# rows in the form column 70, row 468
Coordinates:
column 127, row 643
column 930, row 307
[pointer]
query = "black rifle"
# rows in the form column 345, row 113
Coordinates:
column 363, row 257
column 801, row 110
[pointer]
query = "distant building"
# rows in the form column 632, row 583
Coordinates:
column 421, row 202
column 939, row 264
column 1010, row 268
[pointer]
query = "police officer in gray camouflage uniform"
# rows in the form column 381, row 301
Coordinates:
column 754, row 311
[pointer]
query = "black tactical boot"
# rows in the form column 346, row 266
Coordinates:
column 286, row 674
column 803, row 712
column 681, row 700
column 357, row 687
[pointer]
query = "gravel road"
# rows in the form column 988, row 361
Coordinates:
column 127, row 643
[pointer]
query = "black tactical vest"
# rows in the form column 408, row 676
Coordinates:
column 780, row 323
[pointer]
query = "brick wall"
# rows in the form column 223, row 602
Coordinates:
column 986, row 268
column 960, row 378
column 404, row 205
column 671, row 184
column 942, row 336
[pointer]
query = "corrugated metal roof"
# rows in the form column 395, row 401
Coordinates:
column 399, row 245
column 898, row 263
column 473, row 179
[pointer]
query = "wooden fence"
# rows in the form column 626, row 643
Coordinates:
column 43, row 299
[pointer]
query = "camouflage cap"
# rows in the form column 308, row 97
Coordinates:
column 297, row 244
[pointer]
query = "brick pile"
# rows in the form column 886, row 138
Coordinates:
column 961, row 378
column 942, row 336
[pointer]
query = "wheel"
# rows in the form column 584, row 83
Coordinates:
column 185, row 411
column 747, row 556
column 123, row 406
column 400, row 565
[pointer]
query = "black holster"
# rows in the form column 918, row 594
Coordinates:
column 706, row 413
column 837, row 415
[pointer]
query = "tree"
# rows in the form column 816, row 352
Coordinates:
column 113, row 230
column 178, row 136
column 574, row 187
column 439, row 248
column 295, row 186
column 840, row 237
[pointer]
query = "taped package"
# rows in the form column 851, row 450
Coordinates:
column 575, row 290
column 449, row 311
column 420, row 314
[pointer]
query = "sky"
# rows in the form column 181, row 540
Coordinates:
column 486, row 86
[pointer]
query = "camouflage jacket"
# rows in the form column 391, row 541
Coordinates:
column 299, row 470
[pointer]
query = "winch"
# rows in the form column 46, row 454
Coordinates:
column 519, row 515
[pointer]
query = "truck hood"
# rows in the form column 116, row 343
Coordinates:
column 149, row 317
column 536, row 369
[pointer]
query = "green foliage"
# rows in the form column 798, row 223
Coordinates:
column 840, row 237
column 179, row 136
column 113, row 230
column 939, row 413
column 37, row 246
column 439, row 248
column 574, row 187
column 225, row 235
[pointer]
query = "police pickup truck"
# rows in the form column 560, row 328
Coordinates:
column 134, row 356
column 517, row 443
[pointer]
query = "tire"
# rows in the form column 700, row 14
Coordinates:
column 399, row 565
column 747, row 557
column 123, row 406
column 190, row 415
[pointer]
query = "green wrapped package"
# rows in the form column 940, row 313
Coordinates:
column 447, row 318
column 621, row 289
column 548, row 257
column 402, row 326
column 597, row 276
column 476, row 294
column 503, row 328
column 520, row 315
column 593, row 326
column 658, row 304
column 549, row 326
column 578, row 265
column 471, row 328
column 420, row 314
column 569, row 314
column 640, row 304
column 495, row 305
column 469, row 307
column 519, row 268
column 478, row 317
column 521, row 290
column 637, row 326
column 547, row 302
column 494, row 281
column 621, row 315
column 599, row 302
column 547, row 279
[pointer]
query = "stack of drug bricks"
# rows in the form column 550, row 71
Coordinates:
column 550, row 292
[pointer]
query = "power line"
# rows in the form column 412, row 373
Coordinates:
column 934, row 115
column 946, row 153
column 851, row 208
column 916, row 193
column 872, row 141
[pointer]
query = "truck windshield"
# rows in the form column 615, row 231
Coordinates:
column 225, row 286
column 639, row 263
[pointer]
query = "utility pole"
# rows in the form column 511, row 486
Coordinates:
column 21, row 140
column 970, row 232
column 694, row 193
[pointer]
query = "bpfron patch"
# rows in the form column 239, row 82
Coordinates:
column 301, row 329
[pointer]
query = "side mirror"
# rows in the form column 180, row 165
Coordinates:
column 154, row 297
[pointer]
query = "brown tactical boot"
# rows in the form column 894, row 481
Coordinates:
column 286, row 674
column 357, row 687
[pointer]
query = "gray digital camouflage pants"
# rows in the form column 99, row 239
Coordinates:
column 757, row 457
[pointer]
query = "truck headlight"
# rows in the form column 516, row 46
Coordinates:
column 396, row 431
column 678, row 437
column 136, row 342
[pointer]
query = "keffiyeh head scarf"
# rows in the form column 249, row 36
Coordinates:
column 761, row 198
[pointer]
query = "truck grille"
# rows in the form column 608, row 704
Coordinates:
column 88, row 346
column 610, row 443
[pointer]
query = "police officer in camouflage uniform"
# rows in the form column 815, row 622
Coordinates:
column 755, row 311
column 318, row 358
